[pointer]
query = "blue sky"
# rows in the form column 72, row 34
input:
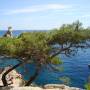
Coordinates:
column 42, row 14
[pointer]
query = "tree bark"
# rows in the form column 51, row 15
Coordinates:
column 5, row 74
column 33, row 77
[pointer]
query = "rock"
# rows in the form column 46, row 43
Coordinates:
column 1, row 70
column 6, row 88
column 51, row 86
column 21, row 88
column 13, row 78
column 38, row 88
column 60, row 87
column 8, row 33
column 46, row 87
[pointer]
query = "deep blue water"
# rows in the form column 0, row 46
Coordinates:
column 74, row 67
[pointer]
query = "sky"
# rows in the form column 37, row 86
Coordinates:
column 42, row 14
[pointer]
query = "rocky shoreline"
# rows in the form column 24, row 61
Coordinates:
column 49, row 87
column 17, row 83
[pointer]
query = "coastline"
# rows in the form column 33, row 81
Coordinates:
column 18, row 84
column 51, row 87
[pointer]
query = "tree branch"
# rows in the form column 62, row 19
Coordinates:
column 59, row 51
column 68, row 50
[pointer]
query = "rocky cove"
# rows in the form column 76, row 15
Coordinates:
column 75, row 72
column 16, row 82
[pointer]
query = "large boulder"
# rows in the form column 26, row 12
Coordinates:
column 13, row 78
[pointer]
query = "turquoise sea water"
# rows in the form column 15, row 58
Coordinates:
column 75, row 68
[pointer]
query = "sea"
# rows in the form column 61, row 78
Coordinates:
column 74, row 71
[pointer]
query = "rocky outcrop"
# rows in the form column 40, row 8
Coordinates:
column 13, row 78
column 8, row 33
column 60, row 87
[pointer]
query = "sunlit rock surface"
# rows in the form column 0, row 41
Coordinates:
column 46, row 87
column 13, row 78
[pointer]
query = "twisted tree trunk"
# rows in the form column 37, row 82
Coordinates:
column 33, row 77
column 5, row 74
